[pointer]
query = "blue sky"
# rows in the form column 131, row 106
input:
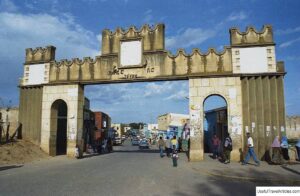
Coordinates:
column 74, row 27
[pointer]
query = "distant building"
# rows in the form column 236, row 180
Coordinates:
column 171, row 124
column 126, row 128
column 292, row 124
column 9, row 117
column 118, row 127
column 152, row 127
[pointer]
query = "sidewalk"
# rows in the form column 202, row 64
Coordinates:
column 287, row 174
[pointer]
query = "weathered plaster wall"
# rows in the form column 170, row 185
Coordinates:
column 230, row 89
column 73, row 96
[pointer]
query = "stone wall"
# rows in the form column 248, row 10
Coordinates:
column 74, row 98
column 230, row 89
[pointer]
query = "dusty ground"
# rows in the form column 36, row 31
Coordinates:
column 20, row 152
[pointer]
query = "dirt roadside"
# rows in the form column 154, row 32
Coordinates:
column 20, row 152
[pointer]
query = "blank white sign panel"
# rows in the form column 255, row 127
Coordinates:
column 253, row 60
column 131, row 53
column 36, row 74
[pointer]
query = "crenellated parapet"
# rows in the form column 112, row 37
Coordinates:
column 153, row 39
column 252, row 37
column 40, row 55
column 139, row 55
column 211, row 62
column 72, row 70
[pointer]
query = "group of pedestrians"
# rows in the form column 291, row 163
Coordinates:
column 170, row 146
column 279, row 149
column 227, row 148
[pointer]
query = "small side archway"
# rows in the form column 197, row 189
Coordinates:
column 215, row 121
column 58, row 128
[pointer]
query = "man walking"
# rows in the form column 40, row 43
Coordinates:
column 250, row 151
column 161, row 146
column 168, row 146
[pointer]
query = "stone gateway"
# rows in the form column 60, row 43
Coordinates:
column 246, row 74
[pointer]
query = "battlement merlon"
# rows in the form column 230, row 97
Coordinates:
column 153, row 39
column 40, row 55
column 251, row 37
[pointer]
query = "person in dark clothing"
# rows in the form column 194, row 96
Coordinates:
column 109, row 145
column 285, row 148
column 174, row 157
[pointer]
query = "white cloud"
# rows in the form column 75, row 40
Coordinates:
column 153, row 89
column 8, row 6
column 287, row 31
column 189, row 37
column 19, row 31
column 237, row 16
column 178, row 96
column 289, row 43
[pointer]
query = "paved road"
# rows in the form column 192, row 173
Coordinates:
column 127, row 171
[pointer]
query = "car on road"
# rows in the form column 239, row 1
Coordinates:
column 144, row 144
column 135, row 141
column 117, row 141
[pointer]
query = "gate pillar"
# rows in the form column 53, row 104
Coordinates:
column 73, row 95
column 230, row 89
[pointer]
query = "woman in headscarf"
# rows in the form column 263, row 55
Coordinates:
column 276, row 156
column 285, row 148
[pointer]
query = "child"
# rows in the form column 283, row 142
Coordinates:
column 174, row 157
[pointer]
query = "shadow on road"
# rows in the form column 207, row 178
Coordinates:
column 291, row 170
column 138, row 151
column 227, row 186
column 9, row 167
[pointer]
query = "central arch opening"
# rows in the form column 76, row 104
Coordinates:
column 138, row 114
column 215, row 124
column 59, row 114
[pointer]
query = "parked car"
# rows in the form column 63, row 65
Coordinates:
column 135, row 141
column 144, row 144
column 123, row 138
column 117, row 141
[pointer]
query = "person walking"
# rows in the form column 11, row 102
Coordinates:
column 298, row 149
column 250, row 152
column 227, row 148
column 161, row 146
column 168, row 146
column 215, row 143
column 174, row 157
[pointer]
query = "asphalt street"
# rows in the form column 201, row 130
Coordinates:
column 126, row 171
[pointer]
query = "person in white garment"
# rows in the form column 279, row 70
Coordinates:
column 250, row 152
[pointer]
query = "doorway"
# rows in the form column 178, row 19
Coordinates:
column 215, row 121
column 59, row 114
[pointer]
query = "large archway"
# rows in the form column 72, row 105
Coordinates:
column 215, row 120
column 59, row 114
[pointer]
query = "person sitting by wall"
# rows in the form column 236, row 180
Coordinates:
column 276, row 151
